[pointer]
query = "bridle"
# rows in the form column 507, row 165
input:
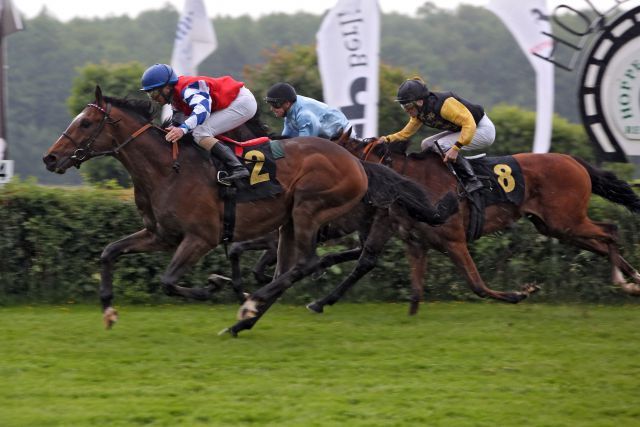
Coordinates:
column 83, row 148
column 371, row 144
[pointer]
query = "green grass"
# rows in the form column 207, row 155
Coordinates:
column 455, row 364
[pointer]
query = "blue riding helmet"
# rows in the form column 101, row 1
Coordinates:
column 158, row 75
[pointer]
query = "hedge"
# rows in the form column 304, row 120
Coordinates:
column 52, row 238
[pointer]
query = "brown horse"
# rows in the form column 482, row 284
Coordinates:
column 557, row 189
column 182, row 211
column 375, row 220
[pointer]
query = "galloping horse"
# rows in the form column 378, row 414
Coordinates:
column 182, row 212
column 374, row 219
column 557, row 189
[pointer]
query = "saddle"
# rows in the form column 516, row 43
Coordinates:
column 503, row 183
column 259, row 157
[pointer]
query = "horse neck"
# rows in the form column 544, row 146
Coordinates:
column 148, row 159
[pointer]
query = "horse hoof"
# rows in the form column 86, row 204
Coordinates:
column 229, row 331
column 530, row 288
column 315, row 307
column 109, row 317
column 630, row 289
column 248, row 310
column 218, row 280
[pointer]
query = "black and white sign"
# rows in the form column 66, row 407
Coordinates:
column 610, row 89
column 6, row 171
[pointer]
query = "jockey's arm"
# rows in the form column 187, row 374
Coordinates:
column 196, row 95
column 407, row 132
column 455, row 112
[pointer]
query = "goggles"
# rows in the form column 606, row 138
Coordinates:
column 153, row 93
column 409, row 105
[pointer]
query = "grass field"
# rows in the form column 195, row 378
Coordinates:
column 455, row 364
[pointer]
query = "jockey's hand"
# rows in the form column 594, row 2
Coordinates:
column 383, row 140
column 174, row 134
column 451, row 155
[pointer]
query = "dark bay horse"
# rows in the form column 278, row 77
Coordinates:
column 556, row 198
column 182, row 211
column 374, row 219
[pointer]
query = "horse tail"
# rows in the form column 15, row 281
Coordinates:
column 606, row 184
column 387, row 188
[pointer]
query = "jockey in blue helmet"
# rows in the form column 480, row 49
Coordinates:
column 211, row 106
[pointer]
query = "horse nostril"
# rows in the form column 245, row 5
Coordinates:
column 49, row 160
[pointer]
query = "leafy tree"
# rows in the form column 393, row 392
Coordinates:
column 515, row 130
column 118, row 80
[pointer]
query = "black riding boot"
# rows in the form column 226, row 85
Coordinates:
column 231, row 162
column 465, row 171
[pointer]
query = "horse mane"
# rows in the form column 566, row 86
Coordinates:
column 145, row 110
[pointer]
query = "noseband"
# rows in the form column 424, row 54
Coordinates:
column 83, row 149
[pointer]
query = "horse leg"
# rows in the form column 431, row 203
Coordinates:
column 138, row 242
column 598, row 237
column 326, row 262
column 417, row 258
column 607, row 246
column 459, row 254
column 267, row 259
column 378, row 236
column 189, row 251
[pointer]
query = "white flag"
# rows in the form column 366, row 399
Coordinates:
column 526, row 20
column 10, row 20
column 195, row 39
column 348, row 53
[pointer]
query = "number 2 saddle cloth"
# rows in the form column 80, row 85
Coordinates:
column 260, row 159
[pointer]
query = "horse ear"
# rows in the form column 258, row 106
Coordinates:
column 344, row 137
column 98, row 95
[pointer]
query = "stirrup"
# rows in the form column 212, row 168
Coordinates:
column 222, row 176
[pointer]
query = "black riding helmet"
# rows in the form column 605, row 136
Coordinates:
column 279, row 93
column 411, row 90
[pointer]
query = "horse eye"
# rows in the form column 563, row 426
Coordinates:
column 85, row 123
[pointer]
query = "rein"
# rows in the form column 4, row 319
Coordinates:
column 83, row 148
column 385, row 158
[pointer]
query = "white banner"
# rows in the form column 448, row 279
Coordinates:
column 10, row 20
column 348, row 54
column 526, row 20
column 195, row 39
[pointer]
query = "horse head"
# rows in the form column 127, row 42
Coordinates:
column 92, row 133
column 368, row 149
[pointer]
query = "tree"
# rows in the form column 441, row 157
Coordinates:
column 117, row 80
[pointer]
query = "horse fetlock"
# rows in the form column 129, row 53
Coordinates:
column 248, row 310
column 109, row 317
column 315, row 307
column 217, row 281
column 530, row 288
column 631, row 288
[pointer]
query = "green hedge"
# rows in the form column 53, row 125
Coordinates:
column 52, row 238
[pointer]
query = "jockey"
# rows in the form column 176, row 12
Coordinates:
column 304, row 116
column 211, row 105
column 465, row 125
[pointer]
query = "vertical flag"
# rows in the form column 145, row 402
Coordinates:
column 10, row 22
column 195, row 38
column 348, row 47
column 527, row 19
